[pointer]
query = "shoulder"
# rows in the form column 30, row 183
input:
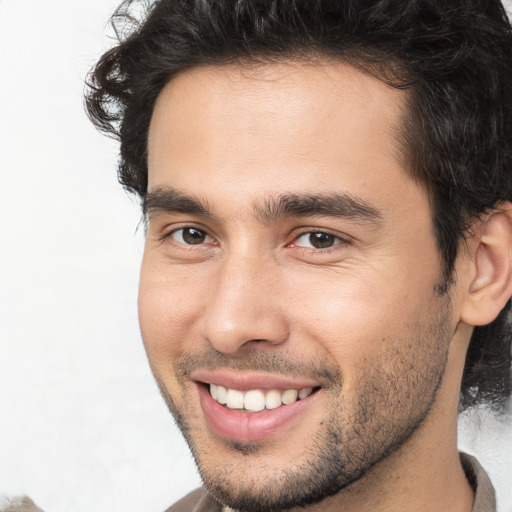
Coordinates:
column 485, row 500
column 197, row 501
column 24, row 504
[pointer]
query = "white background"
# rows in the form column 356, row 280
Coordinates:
column 82, row 427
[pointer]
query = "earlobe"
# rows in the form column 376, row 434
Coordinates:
column 491, row 284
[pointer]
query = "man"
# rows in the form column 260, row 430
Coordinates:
column 327, row 269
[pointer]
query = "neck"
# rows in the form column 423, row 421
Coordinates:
column 440, row 484
column 425, row 474
column 417, row 478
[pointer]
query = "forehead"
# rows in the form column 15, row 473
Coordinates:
column 261, row 129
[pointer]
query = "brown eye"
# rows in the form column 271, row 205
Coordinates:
column 317, row 240
column 190, row 236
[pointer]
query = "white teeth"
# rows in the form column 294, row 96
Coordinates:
column 273, row 399
column 257, row 400
column 303, row 393
column 235, row 399
column 221, row 395
column 254, row 400
column 289, row 396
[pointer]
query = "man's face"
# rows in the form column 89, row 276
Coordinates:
column 289, row 253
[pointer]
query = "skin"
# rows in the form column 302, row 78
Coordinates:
column 364, row 310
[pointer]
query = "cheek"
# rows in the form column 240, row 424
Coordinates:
column 357, row 319
column 336, row 307
column 169, row 305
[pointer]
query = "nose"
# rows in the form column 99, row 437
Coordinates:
column 243, row 307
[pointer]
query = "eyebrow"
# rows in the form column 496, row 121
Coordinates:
column 166, row 199
column 292, row 205
column 315, row 205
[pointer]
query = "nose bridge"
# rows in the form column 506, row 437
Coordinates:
column 243, row 305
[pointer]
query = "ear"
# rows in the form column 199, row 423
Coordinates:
column 491, row 283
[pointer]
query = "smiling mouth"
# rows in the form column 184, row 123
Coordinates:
column 257, row 400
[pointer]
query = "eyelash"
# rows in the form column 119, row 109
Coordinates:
column 337, row 240
column 169, row 234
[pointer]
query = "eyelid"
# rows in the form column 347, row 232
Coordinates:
column 169, row 231
column 341, row 239
column 207, row 237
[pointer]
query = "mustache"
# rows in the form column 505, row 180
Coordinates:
column 261, row 362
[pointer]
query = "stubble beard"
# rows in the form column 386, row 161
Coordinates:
column 389, row 407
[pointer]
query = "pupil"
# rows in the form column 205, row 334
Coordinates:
column 321, row 240
column 193, row 236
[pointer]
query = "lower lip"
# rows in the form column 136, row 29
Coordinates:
column 249, row 426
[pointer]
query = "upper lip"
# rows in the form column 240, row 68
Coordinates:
column 244, row 381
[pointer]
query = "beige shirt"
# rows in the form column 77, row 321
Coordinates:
column 23, row 504
column 485, row 501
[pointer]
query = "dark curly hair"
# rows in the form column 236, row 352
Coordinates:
column 453, row 56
